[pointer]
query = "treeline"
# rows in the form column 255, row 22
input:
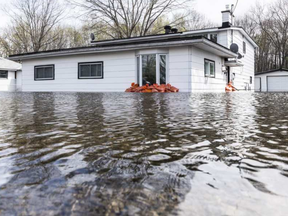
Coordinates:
column 268, row 26
column 39, row 25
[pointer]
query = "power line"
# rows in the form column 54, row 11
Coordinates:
column 235, row 6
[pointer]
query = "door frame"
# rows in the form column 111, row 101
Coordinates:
column 139, row 73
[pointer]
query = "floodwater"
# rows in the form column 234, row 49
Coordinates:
column 143, row 154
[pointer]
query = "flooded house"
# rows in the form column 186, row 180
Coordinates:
column 194, row 61
column 10, row 75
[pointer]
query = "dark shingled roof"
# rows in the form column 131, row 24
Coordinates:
column 127, row 41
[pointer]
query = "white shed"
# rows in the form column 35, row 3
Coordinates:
column 10, row 75
column 272, row 81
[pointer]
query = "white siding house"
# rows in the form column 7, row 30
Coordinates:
column 192, row 61
column 10, row 75
column 272, row 81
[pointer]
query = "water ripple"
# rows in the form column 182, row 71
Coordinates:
column 143, row 154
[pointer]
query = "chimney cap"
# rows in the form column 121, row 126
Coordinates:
column 167, row 29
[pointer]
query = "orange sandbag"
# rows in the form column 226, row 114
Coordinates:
column 152, row 88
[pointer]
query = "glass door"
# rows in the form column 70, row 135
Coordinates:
column 162, row 69
column 151, row 69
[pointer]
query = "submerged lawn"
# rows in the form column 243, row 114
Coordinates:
column 143, row 154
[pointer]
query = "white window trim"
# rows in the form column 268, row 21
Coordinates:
column 210, row 61
column 157, row 67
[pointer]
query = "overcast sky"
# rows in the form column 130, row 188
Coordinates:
column 210, row 8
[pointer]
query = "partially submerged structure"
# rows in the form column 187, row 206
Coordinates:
column 200, row 60
column 272, row 81
column 10, row 75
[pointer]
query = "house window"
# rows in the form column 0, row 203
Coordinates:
column 244, row 47
column 44, row 72
column 152, row 69
column 90, row 70
column 209, row 66
column 3, row 74
column 214, row 37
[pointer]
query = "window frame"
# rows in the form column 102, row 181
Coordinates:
column 6, row 73
column 140, row 76
column 244, row 47
column 44, row 66
column 210, row 61
column 91, row 63
column 215, row 40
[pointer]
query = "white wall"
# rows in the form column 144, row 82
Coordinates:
column 223, row 38
column 119, row 73
column 19, row 81
column 242, row 74
column 8, row 84
column 200, row 83
column 180, row 68
column 263, row 78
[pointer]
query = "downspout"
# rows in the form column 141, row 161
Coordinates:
column 190, row 68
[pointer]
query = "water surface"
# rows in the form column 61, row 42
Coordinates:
column 143, row 154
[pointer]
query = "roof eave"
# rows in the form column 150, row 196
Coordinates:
column 126, row 48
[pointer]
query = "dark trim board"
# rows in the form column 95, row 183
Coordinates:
column 53, row 72
column 273, row 76
column 205, row 59
column 96, row 62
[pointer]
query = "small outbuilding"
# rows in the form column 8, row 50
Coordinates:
column 272, row 81
column 10, row 75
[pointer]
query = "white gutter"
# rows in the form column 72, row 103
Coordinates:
column 91, row 50
column 167, row 36
column 10, row 69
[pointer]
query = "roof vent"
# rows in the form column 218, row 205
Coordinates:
column 174, row 30
column 167, row 29
column 92, row 36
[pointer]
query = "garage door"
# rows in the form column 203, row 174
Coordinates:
column 257, row 84
column 277, row 83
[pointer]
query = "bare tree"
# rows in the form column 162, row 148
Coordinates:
column 273, row 24
column 127, row 18
column 195, row 20
column 268, row 26
column 33, row 22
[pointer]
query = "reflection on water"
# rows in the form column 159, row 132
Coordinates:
column 143, row 154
